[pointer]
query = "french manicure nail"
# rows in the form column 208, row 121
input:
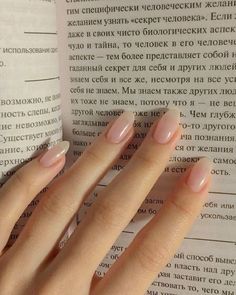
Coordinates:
column 199, row 175
column 121, row 127
column 167, row 127
column 54, row 154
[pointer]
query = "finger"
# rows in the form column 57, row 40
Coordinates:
column 64, row 197
column 24, row 185
column 118, row 202
column 95, row 281
column 157, row 242
column 4, row 250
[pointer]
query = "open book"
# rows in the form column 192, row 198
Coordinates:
column 68, row 68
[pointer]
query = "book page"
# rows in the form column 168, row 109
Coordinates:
column 146, row 56
column 30, row 116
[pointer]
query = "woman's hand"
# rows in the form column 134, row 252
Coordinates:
column 34, row 265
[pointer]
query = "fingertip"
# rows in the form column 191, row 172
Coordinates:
column 166, row 127
column 199, row 175
column 120, row 128
column 60, row 163
column 54, row 154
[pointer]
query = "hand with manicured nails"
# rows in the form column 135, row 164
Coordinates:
column 34, row 265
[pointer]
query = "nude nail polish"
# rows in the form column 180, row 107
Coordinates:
column 167, row 127
column 199, row 175
column 54, row 154
column 121, row 127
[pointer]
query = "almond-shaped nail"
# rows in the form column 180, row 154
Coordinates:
column 121, row 127
column 167, row 127
column 199, row 175
column 54, row 154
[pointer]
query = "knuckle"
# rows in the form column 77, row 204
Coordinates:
column 145, row 160
column 21, row 181
column 55, row 203
column 92, row 155
column 151, row 256
column 107, row 215
column 183, row 210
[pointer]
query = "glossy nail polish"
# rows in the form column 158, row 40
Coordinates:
column 120, row 127
column 54, row 154
column 199, row 175
column 167, row 127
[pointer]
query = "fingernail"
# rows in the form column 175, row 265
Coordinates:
column 54, row 154
column 167, row 127
column 199, row 175
column 121, row 127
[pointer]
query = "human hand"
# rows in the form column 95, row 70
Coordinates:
column 34, row 264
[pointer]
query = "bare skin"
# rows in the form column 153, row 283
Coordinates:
column 33, row 265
